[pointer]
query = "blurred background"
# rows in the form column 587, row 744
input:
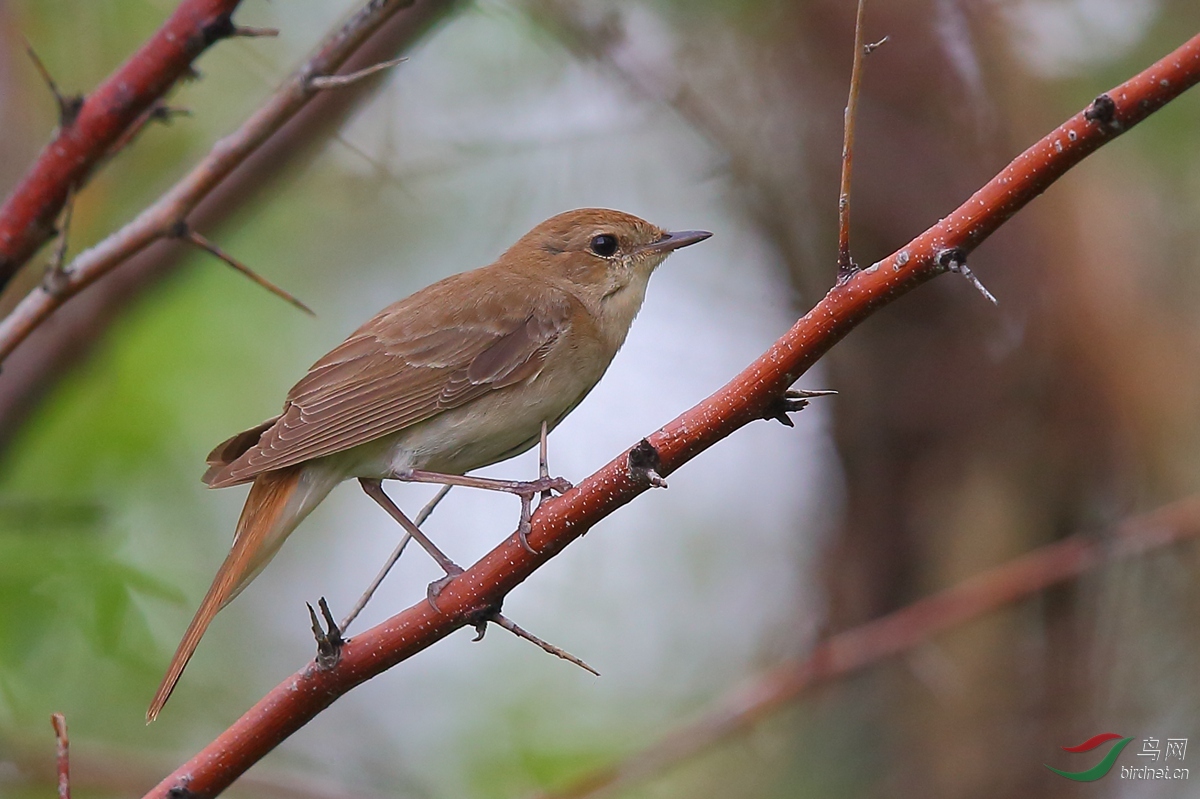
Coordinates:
column 963, row 435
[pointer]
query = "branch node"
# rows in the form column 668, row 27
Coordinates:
column 793, row 400
column 319, row 82
column 644, row 464
column 511, row 626
column 329, row 639
column 954, row 259
column 1102, row 110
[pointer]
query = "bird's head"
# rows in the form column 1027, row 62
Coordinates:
column 603, row 257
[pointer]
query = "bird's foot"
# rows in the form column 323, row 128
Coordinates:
column 434, row 589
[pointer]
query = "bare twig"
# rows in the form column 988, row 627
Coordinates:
column 187, row 234
column 520, row 632
column 846, row 266
column 338, row 81
column 303, row 695
column 63, row 754
column 159, row 220
column 55, row 275
column 87, row 135
column 891, row 635
column 391, row 561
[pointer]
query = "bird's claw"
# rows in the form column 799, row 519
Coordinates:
column 434, row 589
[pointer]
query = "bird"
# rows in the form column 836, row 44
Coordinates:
column 467, row 372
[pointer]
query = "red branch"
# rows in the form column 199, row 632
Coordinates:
column 80, row 144
column 895, row 634
column 481, row 589
column 62, row 754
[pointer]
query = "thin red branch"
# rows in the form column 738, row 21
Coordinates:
column 849, row 117
column 62, row 754
column 478, row 592
column 160, row 219
column 80, row 143
column 895, row 634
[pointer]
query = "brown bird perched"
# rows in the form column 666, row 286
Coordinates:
column 458, row 376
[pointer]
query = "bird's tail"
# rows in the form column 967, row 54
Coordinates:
column 277, row 502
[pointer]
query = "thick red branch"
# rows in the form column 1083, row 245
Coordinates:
column 302, row 696
column 80, row 144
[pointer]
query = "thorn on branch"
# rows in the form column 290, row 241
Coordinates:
column 793, row 400
column 68, row 107
column 254, row 33
column 159, row 112
column 1103, row 110
column 954, row 260
column 511, row 626
column 223, row 28
column 180, row 230
column 318, row 82
column 329, row 639
column 873, row 46
column 644, row 464
column 63, row 752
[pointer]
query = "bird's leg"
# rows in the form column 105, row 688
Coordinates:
column 518, row 487
column 374, row 489
column 526, row 522
column 525, row 489
column 391, row 561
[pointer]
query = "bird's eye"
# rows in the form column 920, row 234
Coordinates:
column 604, row 245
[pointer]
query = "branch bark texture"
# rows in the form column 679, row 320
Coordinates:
column 480, row 590
column 82, row 142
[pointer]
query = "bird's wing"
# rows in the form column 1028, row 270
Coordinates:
column 436, row 350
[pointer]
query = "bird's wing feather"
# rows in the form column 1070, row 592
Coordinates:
column 406, row 365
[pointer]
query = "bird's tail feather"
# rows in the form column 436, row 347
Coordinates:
column 273, row 509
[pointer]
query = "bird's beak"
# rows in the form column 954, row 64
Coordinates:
column 673, row 241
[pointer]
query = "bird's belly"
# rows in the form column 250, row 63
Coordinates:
column 494, row 427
